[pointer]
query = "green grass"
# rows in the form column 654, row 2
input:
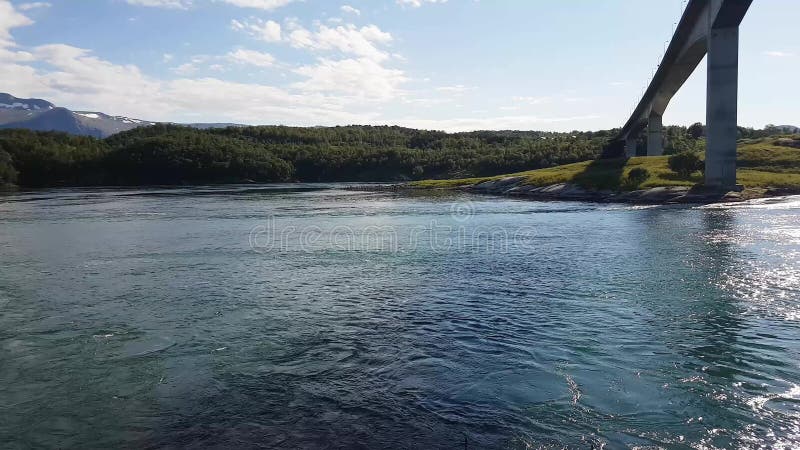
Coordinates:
column 761, row 163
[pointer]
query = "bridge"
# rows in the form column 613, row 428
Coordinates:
column 707, row 27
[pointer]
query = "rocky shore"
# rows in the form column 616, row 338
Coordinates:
column 513, row 186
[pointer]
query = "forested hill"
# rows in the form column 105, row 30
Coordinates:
column 169, row 154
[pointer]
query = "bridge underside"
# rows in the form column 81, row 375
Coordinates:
column 707, row 27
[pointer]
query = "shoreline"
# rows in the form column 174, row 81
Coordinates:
column 516, row 187
column 663, row 195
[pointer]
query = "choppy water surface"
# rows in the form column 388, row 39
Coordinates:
column 289, row 317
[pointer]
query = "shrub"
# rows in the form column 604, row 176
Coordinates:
column 685, row 163
column 696, row 130
column 613, row 149
column 635, row 177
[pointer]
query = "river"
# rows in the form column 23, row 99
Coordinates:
column 309, row 316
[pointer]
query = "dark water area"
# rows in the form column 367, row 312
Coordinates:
column 309, row 316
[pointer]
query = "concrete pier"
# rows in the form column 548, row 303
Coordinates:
column 630, row 147
column 707, row 27
column 655, row 135
column 721, row 103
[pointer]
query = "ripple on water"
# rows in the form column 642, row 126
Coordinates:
column 612, row 327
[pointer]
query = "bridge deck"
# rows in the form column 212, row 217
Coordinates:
column 686, row 50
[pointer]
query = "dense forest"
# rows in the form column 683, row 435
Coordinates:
column 171, row 154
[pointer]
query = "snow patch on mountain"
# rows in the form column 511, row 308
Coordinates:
column 28, row 106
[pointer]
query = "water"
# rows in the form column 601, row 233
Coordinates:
column 314, row 317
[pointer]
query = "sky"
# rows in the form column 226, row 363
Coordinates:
column 449, row 65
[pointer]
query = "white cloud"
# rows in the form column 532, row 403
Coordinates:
column 424, row 102
column 252, row 57
column 76, row 77
column 185, row 69
column 344, row 85
column 169, row 4
column 192, row 66
column 778, row 54
column 532, row 100
column 418, row 3
column 167, row 57
column 348, row 39
column 33, row 5
column 269, row 31
column 575, row 99
column 490, row 123
column 350, row 10
column 20, row 80
column 259, row 4
column 301, row 38
column 9, row 56
column 362, row 78
column 266, row 5
column 333, row 92
column 359, row 73
column 255, row 104
column 10, row 18
column 14, row 77
column 457, row 89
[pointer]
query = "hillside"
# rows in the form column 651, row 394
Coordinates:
column 765, row 162
column 169, row 154
column 41, row 115
column 174, row 155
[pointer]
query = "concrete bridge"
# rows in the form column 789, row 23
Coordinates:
column 707, row 27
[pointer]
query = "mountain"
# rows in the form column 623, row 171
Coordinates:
column 108, row 125
column 98, row 125
column 41, row 115
column 8, row 101
column 13, row 109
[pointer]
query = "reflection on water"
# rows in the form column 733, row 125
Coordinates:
column 143, row 318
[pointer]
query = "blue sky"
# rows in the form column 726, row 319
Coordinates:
column 439, row 64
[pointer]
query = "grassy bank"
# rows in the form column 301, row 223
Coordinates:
column 768, row 162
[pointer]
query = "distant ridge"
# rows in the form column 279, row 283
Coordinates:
column 8, row 101
column 13, row 109
column 41, row 115
column 787, row 129
column 84, row 124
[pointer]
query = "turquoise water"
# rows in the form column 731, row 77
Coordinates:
column 314, row 317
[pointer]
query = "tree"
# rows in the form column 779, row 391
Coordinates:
column 613, row 149
column 696, row 130
column 685, row 163
column 635, row 177
column 8, row 174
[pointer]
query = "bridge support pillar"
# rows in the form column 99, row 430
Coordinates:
column 630, row 146
column 721, row 99
column 655, row 137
